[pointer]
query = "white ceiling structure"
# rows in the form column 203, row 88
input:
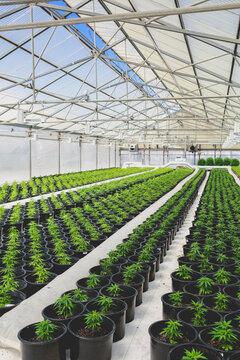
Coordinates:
column 146, row 71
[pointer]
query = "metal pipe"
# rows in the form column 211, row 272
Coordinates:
column 122, row 16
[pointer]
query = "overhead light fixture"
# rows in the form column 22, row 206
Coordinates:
column 87, row 128
column 21, row 116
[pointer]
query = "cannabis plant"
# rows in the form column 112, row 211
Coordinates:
column 93, row 281
column 193, row 355
column 114, row 290
column 105, row 303
column 176, row 298
column 45, row 330
column 205, row 285
column 65, row 306
column 221, row 302
column 223, row 333
column 199, row 313
column 94, row 321
column 172, row 331
column 184, row 272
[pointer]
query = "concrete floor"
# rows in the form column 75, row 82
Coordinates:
column 136, row 343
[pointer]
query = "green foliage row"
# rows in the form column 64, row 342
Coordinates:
column 218, row 162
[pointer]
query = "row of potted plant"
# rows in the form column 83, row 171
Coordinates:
column 20, row 215
column 51, row 183
column 218, row 161
column 112, row 289
column 48, row 249
column 236, row 170
column 206, row 294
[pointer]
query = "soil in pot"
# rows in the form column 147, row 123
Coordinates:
column 100, row 271
column 206, row 339
column 127, row 294
column 82, row 283
column 194, row 290
column 49, row 350
column 89, row 346
column 232, row 291
column 178, row 283
column 90, row 294
column 210, row 317
column 136, row 283
column 33, row 286
column 210, row 303
column 117, row 314
column 13, row 299
column 170, row 311
column 160, row 345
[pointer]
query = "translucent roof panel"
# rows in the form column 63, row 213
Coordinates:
column 118, row 78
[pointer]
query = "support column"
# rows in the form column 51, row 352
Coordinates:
column 115, row 155
column 149, row 155
column 59, row 151
column 120, row 156
column 30, row 159
column 109, row 155
column 96, row 153
column 80, row 154
column 215, row 150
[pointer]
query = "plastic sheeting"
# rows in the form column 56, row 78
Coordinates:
column 15, row 157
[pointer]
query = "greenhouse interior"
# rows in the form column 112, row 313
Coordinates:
column 119, row 180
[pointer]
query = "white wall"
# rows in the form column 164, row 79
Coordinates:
column 15, row 157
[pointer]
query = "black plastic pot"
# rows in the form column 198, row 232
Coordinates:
column 95, row 348
column 235, row 356
column 205, row 338
column 170, row 311
column 209, row 302
column 137, row 284
column 160, row 349
column 178, row 284
column 92, row 294
column 151, row 263
column 145, row 273
column 49, row 350
column 118, row 316
column 82, row 283
column 80, row 254
column 211, row 317
column 232, row 291
column 178, row 352
column 231, row 317
column 50, row 313
column 119, row 262
column 196, row 268
column 17, row 297
column 33, row 286
column 60, row 268
column 98, row 270
column 193, row 289
column 128, row 294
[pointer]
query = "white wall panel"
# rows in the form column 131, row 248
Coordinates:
column 112, row 156
column 44, row 157
column 103, row 156
column 88, row 156
column 14, row 159
column 69, row 157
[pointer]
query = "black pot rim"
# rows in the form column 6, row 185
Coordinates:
column 97, row 338
column 61, row 325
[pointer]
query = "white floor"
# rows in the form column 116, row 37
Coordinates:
column 136, row 343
